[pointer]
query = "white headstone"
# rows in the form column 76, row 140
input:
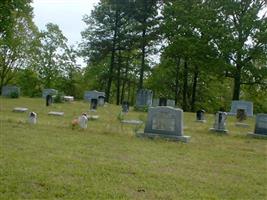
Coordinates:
column 220, row 122
column 83, row 121
column 32, row 118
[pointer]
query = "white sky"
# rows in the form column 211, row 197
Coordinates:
column 67, row 14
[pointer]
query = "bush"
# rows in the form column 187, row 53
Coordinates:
column 14, row 94
column 58, row 98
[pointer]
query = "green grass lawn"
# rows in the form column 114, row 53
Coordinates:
column 106, row 161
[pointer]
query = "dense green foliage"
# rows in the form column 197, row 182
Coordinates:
column 106, row 161
column 209, row 52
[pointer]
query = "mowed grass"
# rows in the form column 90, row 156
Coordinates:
column 106, row 161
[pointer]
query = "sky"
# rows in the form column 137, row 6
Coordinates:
column 67, row 14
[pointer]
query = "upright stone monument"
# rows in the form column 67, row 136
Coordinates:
column 260, row 126
column 125, row 106
column 144, row 98
column 241, row 116
column 93, row 105
column 220, row 122
column 48, row 100
column 162, row 102
column 88, row 95
column 170, row 103
column 245, row 105
column 10, row 91
column 101, row 100
column 166, row 122
column 50, row 91
column 200, row 116
column 32, row 118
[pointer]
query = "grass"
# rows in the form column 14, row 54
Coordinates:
column 106, row 161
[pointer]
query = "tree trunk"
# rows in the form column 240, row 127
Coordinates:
column 185, row 86
column 118, row 79
column 125, row 79
column 112, row 59
column 194, row 89
column 237, row 83
column 177, row 80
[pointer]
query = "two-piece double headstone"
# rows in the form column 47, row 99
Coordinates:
column 220, row 122
column 200, row 116
column 260, row 126
column 165, row 122
column 245, row 105
column 144, row 98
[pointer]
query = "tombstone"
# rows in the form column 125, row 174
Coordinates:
column 200, row 116
column 241, row 116
column 93, row 105
column 170, row 103
column 19, row 109
column 51, row 92
column 125, row 106
column 246, row 105
column 49, row 100
column 88, row 95
column 10, row 91
column 68, row 98
column 260, row 126
column 32, row 118
column 144, row 98
column 155, row 102
column 166, row 122
column 220, row 122
column 162, row 102
column 83, row 121
column 56, row 113
column 101, row 100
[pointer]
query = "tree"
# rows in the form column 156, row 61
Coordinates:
column 17, row 37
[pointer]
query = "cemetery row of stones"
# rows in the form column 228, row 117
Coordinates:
column 163, row 120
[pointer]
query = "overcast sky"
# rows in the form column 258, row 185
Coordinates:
column 67, row 14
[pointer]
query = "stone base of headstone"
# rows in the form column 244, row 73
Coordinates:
column 201, row 121
column 219, row 130
column 56, row 113
column 258, row 135
column 183, row 138
column 93, row 117
column 239, row 124
column 18, row 109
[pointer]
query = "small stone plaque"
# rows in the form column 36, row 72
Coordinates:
column 56, row 113
column 18, row 109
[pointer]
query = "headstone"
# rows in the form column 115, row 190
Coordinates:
column 18, row 109
column 155, row 102
column 144, row 98
column 32, row 118
column 93, row 117
column 125, row 106
column 93, row 105
column 260, row 126
column 83, row 121
column 88, row 95
column 170, row 103
column 68, row 98
column 9, row 91
column 56, row 113
column 200, row 116
column 48, row 100
column 246, row 105
column 220, row 122
column 162, row 102
column 241, row 117
column 51, row 92
column 166, row 122
column 101, row 100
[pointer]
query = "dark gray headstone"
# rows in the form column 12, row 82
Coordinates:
column 246, row 105
column 48, row 100
column 241, row 115
column 165, row 122
column 162, row 102
column 144, row 98
column 9, row 90
column 93, row 105
column 261, row 124
column 125, row 106
column 200, row 115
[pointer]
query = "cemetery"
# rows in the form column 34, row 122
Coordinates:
column 138, row 99
column 103, row 148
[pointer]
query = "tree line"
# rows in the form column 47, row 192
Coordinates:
column 202, row 54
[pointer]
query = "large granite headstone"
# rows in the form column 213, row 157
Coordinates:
column 9, row 90
column 88, row 95
column 246, row 105
column 260, row 126
column 51, row 92
column 220, row 122
column 166, row 122
column 144, row 98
